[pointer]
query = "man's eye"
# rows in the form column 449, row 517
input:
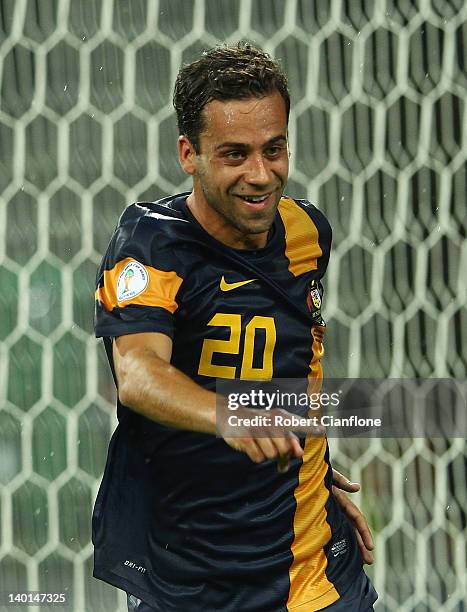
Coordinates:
column 274, row 151
column 235, row 155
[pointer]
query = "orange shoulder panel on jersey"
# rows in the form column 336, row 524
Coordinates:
column 301, row 237
column 157, row 288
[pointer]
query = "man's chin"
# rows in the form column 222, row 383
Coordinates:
column 257, row 225
column 260, row 230
column 254, row 229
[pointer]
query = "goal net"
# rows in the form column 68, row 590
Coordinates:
column 378, row 140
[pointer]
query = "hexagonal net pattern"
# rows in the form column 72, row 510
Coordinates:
column 378, row 140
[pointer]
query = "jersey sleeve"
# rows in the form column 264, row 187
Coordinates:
column 137, row 285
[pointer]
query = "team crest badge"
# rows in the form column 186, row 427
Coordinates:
column 313, row 301
column 132, row 281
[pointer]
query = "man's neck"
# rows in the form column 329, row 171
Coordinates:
column 220, row 229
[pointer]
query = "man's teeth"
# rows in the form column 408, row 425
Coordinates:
column 255, row 199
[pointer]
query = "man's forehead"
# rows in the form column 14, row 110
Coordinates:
column 265, row 115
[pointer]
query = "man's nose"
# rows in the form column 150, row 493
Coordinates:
column 258, row 171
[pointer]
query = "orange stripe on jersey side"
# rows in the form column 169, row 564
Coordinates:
column 161, row 289
column 301, row 238
column 315, row 375
column 309, row 586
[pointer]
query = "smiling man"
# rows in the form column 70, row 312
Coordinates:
column 221, row 283
column 239, row 168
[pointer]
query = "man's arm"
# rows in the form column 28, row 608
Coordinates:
column 149, row 385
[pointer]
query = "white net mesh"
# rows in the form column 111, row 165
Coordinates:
column 378, row 133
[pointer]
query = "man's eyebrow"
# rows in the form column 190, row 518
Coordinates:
column 276, row 139
column 244, row 145
column 232, row 145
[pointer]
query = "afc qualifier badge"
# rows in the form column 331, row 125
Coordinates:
column 313, row 300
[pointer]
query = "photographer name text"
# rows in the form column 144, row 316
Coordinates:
column 279, row 420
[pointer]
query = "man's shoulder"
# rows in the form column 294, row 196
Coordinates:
column 296, row 205
column 295, row 212
column 155, row 216
column 149, row 232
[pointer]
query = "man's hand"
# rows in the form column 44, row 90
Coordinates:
column 268, row 441
column 354, row 514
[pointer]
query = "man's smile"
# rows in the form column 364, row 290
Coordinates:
column 258, row 202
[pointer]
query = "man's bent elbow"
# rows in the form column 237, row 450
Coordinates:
column 125, row 385
column 125, row 393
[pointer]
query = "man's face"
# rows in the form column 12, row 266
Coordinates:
column 241, row 170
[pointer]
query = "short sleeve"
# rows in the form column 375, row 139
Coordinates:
column 137, row 288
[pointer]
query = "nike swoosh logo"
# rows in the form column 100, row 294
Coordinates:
column 225, row 286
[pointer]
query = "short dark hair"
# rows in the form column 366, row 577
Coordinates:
column 226, row 72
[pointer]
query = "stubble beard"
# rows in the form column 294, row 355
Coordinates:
column 255, row 226
column 252, row 226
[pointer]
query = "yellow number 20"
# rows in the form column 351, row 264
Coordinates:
column 232, row 347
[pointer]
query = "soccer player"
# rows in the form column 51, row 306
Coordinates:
column 221, row 283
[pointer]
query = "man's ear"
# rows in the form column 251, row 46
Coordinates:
column 186, row 155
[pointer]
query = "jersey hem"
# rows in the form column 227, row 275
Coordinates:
column 124, row 585
column 325, row 599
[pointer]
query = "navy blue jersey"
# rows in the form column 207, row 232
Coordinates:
column 183, row 521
